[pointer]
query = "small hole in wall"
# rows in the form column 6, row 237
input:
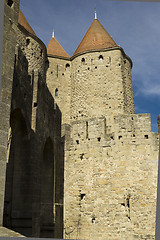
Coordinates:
column 124, row 61
column 51, row 72
column 119, row 137
column 77, row 141
column 112, row 137
column 93, row 219
column 35, row 104
column 41, row 52
column 82, row 196
column 119, row 64
column 10, row 3
column 88, row 68
column 106, row 65
column 134, row 135
column 78, row 71
column 146, row 136
column 99, row 139
column 123, row 204
column 62, row 74
column 132, row 118
column 81, row 156
column 83, row 60
column 95, row 67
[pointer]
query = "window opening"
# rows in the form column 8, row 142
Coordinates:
column 56, row 92
column 67, row 65
column 101, row 58
column 86, row 130
column 82, row 196
column 10, row 3
column 57, row 71
column 27, row 41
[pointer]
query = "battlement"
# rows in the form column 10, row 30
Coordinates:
column 132, row 128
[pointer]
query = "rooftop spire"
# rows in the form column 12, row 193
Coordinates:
column 95, row 13
column 53, row 34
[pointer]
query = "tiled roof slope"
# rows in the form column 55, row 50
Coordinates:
column 55, row 49
column 23, row 22
column 96, row 38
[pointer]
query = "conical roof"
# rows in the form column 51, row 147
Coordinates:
column 55, row 49
column 96, row 38
column 23, row 22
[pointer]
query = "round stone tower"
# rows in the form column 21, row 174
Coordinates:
column 101, row 77
column 59, row 77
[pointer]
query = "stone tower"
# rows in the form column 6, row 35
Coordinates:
column 111, row 155
column 59, row 77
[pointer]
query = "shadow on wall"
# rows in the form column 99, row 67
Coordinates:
column 22, row 194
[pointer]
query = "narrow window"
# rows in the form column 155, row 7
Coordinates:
column 82, row 196
column 86, row 130
column 27, row 41
column 10, row 3
column 56, row 92
column 57, row 71
column 101, row 58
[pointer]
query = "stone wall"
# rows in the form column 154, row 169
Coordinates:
column 34, row 183
column 9, row 42
column 111, row 179
column 34, row 50
column 99, row 85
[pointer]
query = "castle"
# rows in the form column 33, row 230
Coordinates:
column 80, row 163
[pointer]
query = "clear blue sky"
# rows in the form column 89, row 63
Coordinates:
column 135, row 26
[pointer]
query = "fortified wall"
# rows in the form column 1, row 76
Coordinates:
column 33, row 195
column 99, row 181
column 114, row 174
column 111, row 155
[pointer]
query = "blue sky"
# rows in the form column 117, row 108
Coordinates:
column 135, row 26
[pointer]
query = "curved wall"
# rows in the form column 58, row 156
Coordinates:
column 98, row 85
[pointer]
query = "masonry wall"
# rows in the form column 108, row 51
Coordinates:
column 34, row 50
column 59, row 84
column 9, row 42
column 111, row 179
column 98, row 86
column 34, row 182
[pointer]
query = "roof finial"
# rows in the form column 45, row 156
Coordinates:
column 53, row 34
column 95, row 13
